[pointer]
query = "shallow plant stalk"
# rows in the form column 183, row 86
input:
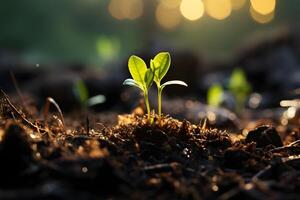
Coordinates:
column 147, row 105
column 159, row 101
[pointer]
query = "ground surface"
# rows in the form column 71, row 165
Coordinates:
column 133, row 159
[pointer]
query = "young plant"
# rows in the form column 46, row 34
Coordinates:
column 215, row 95
column 142, row 78
column 82, row 94
column 160, row 66
column 239, row 87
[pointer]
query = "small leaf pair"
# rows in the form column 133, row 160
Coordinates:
column 160, row 65
column 143, row 77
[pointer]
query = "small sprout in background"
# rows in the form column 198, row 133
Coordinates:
column 236, row 91
column 215, row 95
column 82, row 93
column 142, row 78
column 239, row 87
column 160, row 66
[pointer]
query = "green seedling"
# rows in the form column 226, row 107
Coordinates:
column 82, row 93
column 160, row 66
column 215, row 95
column 142, row 78
column 239, row 87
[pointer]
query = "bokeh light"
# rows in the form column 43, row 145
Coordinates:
column 263, row 7
column 166, row 16
column 171, row 3
column 218, row 9
column 237, row 4
column 192, row 9
column 262, row 19
column 126, row 9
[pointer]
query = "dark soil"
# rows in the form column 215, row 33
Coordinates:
column 133, row 159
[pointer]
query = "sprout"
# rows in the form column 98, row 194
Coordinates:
column 142, row 78
column 160, row 66
column 81, row 92
column 215, row 95
column 239, row 87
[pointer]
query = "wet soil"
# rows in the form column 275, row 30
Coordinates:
column 107, row 156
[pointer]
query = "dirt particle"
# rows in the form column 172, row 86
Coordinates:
column 264, row 136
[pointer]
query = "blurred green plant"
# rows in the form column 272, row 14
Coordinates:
column 160, row 66
column 82, row 93
column 215, row 95
column 239, row 87
column 108, row 48
column 142, row 78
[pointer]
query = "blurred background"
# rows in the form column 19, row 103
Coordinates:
column 48, row 46
column 96, row 32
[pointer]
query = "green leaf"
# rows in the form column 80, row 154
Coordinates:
column 239, row 87
column 149, row 76
column 160, row 65
column 137, row 68
column 132, row 82
column 95, row 100
column 238, row 82
column 81, row 91
column 174, row 82
column 215, row 95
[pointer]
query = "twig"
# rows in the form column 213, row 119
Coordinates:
column 203, row 123
column 50, row 101
column 19, row 113
column 267, row 169
column 160, row 168
column 291, row 145
column 294, row 143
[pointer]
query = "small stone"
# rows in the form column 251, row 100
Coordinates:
column 264, row 136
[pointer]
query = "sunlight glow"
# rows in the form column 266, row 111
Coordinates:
column 192, row 9
column 218, row 9
column 167, row 17
column 263, row 7
column 171, row 3
column 262, row 19
column 237, row 4
column 126, row 9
